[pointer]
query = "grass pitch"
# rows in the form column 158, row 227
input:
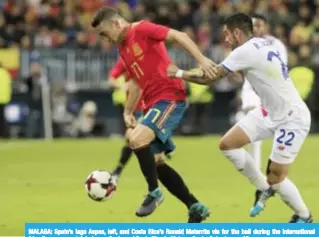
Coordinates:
column 44, row 182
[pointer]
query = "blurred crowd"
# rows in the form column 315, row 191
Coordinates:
column 66, row 23
column 32, row 25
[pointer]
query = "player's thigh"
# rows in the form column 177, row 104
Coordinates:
column 287, row 142
column 164, row 117
column 140, row 136
column 249, row 129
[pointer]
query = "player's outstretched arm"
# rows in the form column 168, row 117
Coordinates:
column 134, row 94
column 196, row 75
column 189, row 45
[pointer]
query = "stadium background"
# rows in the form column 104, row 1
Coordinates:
column 52, row 54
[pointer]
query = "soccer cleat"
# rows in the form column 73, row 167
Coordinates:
column 152, row 200
column 261, row 203
column 115, row 177
column 197, row 213
column 297, row 219
column 257, row 196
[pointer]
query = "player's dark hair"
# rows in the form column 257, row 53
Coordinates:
column 260, row 17
column 240, row 21
column 103, row 14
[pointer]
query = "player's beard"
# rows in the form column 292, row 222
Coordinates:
column 235, row 42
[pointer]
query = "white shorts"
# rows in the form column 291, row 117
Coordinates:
column 289, row 134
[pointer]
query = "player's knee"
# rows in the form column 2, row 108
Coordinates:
column 225, row 144
column 277, row 173
column 235, row 138
column 136, row 142
column 159, row 159
column 139, row 138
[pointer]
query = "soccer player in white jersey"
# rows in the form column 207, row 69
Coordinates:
column 249, row 98
column 287, row 119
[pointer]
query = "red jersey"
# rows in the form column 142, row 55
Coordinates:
column 144, row 52
column 119, row 69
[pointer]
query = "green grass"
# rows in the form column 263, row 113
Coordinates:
column 44, row 182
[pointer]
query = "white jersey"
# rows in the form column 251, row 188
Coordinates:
column 281, row 47
column 264, row 67
column 248, row 96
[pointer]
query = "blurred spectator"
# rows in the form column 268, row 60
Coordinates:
column 34, row 83
column 305, row 56
column 26, row 42
column 185, row 17
column 43, row 39
column 71, row 27
column 139, row 12
column 83, row 126
column 5, row 97
column 315, row 49
column 62, row 118
column 82, row 40
column 204, row 36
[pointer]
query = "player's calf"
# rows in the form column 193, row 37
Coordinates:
column 231, row 146
column 171, row 179
column 139, row 140
column 287, row 191
column 276, row 174
column 259, row 192
column 126, row 154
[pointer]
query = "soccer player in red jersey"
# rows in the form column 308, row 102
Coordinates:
column 142, row 48
column 168, row 176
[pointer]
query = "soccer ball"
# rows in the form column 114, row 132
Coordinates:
column 100, row 185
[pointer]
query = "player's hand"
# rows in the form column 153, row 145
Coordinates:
column 171, row 70
column 124, row 88
column 129, row 120
column 209, row 68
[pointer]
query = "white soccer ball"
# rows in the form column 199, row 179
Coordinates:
column 100, row 185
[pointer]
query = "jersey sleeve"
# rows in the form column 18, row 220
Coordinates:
column 153, row 31
column 237, row 60
column 118, row 69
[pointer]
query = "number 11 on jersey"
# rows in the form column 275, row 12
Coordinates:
column 137, row 70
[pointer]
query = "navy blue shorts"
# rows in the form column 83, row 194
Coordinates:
column 163, row 118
